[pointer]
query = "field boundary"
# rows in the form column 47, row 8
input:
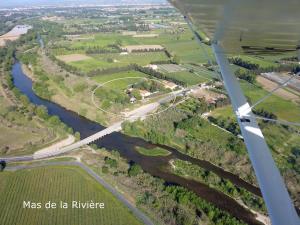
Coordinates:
column 140, row 215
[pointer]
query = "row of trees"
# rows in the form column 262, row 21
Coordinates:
column 157, row 74
column 228, row 124
column 246, row 75
column 183, row 168
column 256, row 69
column 242, row 63
column 264, row 113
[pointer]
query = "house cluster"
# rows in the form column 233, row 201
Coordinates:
column 211, row 97
column 145, row 94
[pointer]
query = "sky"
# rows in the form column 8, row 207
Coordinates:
column 29, row 3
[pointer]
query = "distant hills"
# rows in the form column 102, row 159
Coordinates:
column 30, row 3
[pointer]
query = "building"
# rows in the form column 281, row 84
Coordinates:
column 145, row 93
column 154, row 67
column 169, row 85
column 132, row 100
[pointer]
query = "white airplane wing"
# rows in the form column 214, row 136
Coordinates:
column 243, row 25
column 256, row 26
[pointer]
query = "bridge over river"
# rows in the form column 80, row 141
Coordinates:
column 139, row 113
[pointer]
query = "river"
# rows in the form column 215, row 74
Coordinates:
column 156, row 166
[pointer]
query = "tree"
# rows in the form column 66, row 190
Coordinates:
column 104, row 169
column 134, row 170
column 77, row 135
column 25, row 101
column 54, row 120
column 176, row 59
column 41, row 111
column 136, row 94
column 111, row 162
column 2, row 165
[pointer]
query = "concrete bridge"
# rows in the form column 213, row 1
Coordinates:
column 113, row 128
column 139, row 113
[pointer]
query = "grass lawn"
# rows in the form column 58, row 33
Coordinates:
column 58, row 183
column 157, row 151
column 120, row 84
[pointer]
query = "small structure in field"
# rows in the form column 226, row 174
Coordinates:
column 145, row 94
column 128, row 33
column 132, row 100
column 169, row 85
column 152, row 66
column 145, row 35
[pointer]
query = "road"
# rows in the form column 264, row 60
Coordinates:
column 107, row 186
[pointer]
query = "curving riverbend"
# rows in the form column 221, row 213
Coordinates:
column 153, row 165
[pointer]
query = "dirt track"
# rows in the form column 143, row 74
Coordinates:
column 270, row 85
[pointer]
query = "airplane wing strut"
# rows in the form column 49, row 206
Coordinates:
column 275, row 194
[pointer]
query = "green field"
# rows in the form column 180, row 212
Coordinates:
column 187, row 77
column 284, row 109
column 189, row 51
column 182, row 45
column 102, row 40
column 105, row 61
column 58, row 183
column 157, row 151
column 263, row 63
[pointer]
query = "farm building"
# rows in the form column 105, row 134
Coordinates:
column 145, row 93
column 169, row 84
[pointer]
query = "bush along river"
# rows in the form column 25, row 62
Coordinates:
column 156, row 166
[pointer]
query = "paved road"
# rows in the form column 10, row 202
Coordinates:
column 139, row 214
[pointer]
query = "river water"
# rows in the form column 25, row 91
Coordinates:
column 156, row 166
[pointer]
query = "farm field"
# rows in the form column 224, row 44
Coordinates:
column 187, row 77
column 73, row 58
column 284, row 109
column 189, row 51
column 171, row 68
column 203, row 71
column 183, row 44
column 285, row 93
column 105, row 61
column 262, row 62
column 102, row 40
column 63, row 183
